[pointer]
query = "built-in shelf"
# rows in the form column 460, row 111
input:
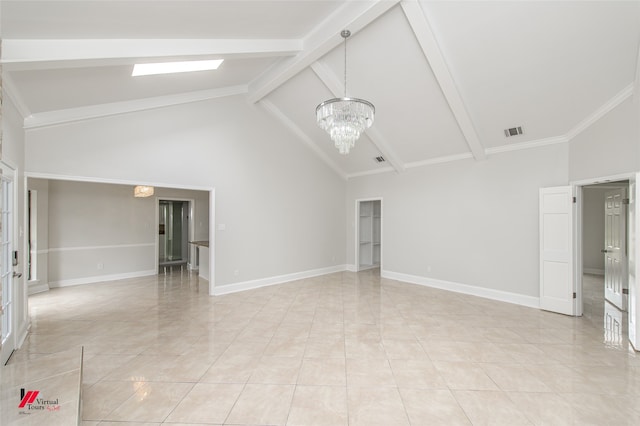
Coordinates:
column 369, row 227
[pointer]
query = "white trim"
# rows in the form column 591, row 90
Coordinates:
column 487, row 293
column 54, row 176
column 14, row 95
column 428, row 42
column 440, row 160
column 37, row 287
column 100, row 278
column 70, row 115
column 322, row 39
column 293, row 127
column 114, row 246
column 351, row 268
column 605, row 179
column 371, row 172
column 28, row 54
column 280, row 279
column 528, row 145
column 600, row 112
column 593, row 271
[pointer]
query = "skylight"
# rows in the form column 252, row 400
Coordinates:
column 175, row 67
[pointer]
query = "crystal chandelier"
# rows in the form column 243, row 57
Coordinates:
column 142, row 191
column 345, row 118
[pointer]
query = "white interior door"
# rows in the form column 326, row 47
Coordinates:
column 634, row 335
column 615, row 256
column 556, row 250
column 6, row 268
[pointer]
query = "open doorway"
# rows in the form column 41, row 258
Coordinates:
column 369, row 234
column 604, row 257
column 175, row 229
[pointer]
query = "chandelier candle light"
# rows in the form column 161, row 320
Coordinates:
column 345, row 118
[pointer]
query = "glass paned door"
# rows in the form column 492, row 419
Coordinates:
column 6, row 267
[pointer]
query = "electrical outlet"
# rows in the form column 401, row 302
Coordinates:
column 428, row 268
column 236, row 272
column 100, row 265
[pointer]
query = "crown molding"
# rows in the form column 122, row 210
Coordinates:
column 527, row 145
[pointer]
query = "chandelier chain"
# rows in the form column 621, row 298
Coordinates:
column 345, row 65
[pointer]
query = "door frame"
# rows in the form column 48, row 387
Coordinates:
column 357, row 232
column 578, row 187
column 212, row 206
column 14, row 339
column 192, row 231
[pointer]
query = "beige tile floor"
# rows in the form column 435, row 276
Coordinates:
column 341, row 349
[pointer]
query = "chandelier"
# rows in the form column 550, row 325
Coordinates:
column 141, row 191
column 345, row 118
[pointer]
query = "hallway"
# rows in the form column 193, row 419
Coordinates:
column 339, row 349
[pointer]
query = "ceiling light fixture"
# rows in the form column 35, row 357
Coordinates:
column 345, row 118
column 142, row 191
column 175, row 67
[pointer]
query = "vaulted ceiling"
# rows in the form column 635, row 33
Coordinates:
column 446, row 77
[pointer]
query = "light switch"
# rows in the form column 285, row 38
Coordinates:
column 222, row 227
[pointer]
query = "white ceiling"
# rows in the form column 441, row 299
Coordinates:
column 446, row 77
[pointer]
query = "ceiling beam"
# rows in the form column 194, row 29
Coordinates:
column 19, row 54
column 352, row 15
column 293, row 127
column 334, row 85
column 13, row 94
column 51, row 118
column 427, row 40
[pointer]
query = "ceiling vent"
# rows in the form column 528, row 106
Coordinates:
column 380, row 159
column 514, row 131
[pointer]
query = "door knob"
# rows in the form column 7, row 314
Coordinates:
column 604, row 251
column 17, row 274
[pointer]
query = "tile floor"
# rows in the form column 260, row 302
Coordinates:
column 341, row 349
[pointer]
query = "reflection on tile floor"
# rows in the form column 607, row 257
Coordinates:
column 340, row 349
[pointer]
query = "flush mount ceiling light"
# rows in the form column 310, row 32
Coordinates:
column 141, row 191
column 345, row 118
column 175, row 67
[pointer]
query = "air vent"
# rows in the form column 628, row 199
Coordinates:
column 380, row 159
column 514, row 131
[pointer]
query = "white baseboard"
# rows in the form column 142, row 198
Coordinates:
column 280, row 279
column 101, row 278
column 351, row 268
column 487, row 293
column 593, row 271
column 37, row 287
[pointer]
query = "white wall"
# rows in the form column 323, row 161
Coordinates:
column 609, row 147
column 40, row 252
column 593, row 230
column 283, row 208
column 101, row 231
column 467, row 222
